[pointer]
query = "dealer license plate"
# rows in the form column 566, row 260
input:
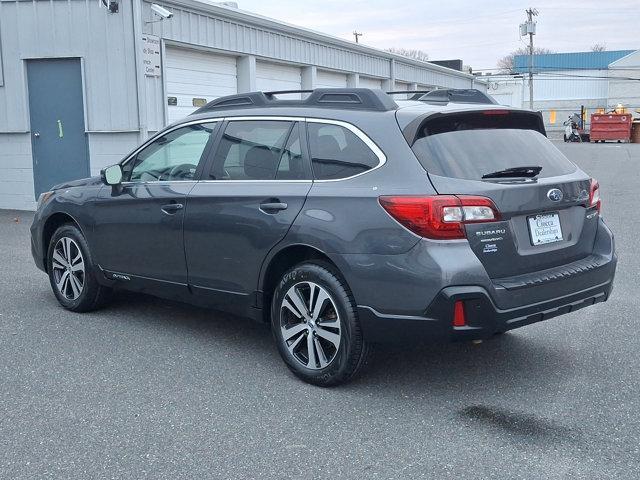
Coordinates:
column 545, row 228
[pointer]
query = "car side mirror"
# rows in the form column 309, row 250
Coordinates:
column 111, row 175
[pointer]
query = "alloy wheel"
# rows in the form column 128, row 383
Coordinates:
column 310, row 325
column 68, row 268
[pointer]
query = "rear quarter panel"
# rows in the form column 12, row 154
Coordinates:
column 345, row 217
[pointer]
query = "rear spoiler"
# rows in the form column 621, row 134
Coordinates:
column 495, row 118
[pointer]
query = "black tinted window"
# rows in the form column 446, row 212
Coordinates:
column 336, row 152
column 469, row 154
column 251, row 150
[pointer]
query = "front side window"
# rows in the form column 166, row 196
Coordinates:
column 259, row 150
column 172, row 156
column 337, row 152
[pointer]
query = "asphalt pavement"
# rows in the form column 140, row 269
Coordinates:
column 153, row 389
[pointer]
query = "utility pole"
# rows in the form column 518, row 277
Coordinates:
column 357, row 35
column 529, row 28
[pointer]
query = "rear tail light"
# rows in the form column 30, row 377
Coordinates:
column 440, row 217
column 459, row 319
column 496, row 112
column 594, row 195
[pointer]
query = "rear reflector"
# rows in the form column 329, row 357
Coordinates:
column 440, row 217
column 458, row 314
column 594, row 195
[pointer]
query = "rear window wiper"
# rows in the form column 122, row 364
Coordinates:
column 528, row 172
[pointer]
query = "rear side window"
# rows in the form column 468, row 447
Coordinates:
column 467, row 150
column 259, row 150
column 337, row 152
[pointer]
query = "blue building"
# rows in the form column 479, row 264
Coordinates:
column 563, row 82
column 574, row 61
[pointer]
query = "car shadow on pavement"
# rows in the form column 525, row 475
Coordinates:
column 514, row 359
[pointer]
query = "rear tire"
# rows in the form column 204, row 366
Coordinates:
column 315, row 325
column 72, row 273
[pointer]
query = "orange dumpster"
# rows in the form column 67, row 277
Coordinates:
column 611, row 127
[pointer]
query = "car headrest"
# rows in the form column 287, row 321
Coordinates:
column 260, row 163
column 327, row 147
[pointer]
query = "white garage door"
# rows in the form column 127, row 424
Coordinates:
column 368, row 82
column 399, row 86
column 195, row 77
column 325, row 79
column 275, row 76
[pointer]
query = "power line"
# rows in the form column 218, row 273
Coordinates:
column 559, row 74
column 556, row 68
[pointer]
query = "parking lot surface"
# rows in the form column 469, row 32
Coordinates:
column 152, row 389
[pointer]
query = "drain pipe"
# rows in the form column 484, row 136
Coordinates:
column 140, row 77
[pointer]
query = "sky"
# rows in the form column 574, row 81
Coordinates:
column 478, row 32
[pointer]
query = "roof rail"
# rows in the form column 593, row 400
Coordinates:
column 407, row 92
column 336, row 98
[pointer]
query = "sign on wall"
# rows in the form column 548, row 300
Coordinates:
column 151, row 55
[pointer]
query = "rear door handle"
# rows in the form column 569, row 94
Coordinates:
column 171, row 208
column 273, row 207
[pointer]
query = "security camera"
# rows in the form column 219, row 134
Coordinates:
column 161, row 11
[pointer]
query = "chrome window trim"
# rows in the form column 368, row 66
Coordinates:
column 382, row 159
column 266, row 117
column 156, row 182
column 256, row 181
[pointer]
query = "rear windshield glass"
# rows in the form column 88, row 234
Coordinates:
column 470, row 154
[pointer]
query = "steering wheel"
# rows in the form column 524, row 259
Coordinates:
column 182, row 171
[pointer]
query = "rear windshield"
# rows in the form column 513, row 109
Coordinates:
column 470, row 154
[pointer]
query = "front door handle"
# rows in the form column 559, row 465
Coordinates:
column 171, row 208
column 273, row 206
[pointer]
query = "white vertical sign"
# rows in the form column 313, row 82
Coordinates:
column 151, row 55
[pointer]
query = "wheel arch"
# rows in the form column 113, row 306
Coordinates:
column 53, row 222
column 281, row 261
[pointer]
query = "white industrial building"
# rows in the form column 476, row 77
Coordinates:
column 563, row 82
column 81, row 84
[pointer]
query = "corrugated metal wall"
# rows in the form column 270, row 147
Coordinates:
column 71, row 28
column 225, row 29
column 106, row 43
column 415, row 74
column 79, row 28
column 198, row 27
column 568, row 85
column 559, row 86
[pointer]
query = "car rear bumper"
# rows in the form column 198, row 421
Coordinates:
column 490, row 305
column 483, row 317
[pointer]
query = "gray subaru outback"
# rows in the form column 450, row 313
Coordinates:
column 343, row 218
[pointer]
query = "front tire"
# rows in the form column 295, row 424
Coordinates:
column 72, row 273
column 315, row 325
